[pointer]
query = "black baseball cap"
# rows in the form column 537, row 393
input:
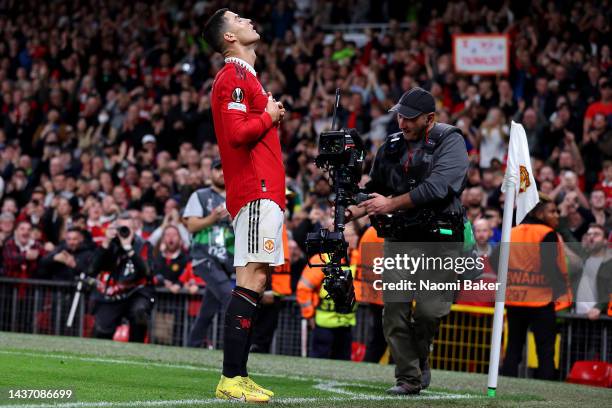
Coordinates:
column 216, row 164
column 415, row 102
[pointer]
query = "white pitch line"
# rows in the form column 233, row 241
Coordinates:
column 337, row 387
column 210, row 401
column 104, row 404
column 322, row 384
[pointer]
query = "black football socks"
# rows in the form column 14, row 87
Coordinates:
column 239, row 318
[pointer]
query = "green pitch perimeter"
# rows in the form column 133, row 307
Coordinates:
column 107, row 374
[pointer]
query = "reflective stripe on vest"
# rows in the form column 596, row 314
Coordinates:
column 326, row 315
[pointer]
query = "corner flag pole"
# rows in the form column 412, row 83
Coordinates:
column 498, row 316
column 518, row 174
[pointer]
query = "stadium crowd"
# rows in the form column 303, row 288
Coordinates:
column 105, row 109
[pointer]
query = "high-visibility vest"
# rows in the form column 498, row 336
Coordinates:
column 610, row 306
column 313, row 300
column 370, row 247
column 281, row 275
column 527, row 285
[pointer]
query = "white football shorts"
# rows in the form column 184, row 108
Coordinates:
column 258, row 231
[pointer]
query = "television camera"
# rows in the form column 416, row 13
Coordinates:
column 341, row 155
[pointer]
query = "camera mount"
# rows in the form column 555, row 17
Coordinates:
column 341, row 154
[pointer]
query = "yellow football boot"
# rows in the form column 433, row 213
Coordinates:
column 235, row 389
column 256, row 387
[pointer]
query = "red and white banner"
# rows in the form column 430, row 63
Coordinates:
column 482, row 54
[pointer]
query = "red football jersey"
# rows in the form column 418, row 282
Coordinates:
column 248, row 142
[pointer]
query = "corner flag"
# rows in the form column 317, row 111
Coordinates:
column 520, row 183
column 518, row 171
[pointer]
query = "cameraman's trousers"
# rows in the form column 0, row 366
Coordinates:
column 409, row 330
column 411, row 318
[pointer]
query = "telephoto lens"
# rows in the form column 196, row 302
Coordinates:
column 124, row 231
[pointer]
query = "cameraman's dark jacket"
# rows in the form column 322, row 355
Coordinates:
column 58, row 271
column 118, row 276
column 432, row 169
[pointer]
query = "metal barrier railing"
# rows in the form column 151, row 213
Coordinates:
column 42, row 307
column 463, row 342
column 583, row 339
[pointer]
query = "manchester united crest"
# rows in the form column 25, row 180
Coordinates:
column 524, row 181
column 268, row 245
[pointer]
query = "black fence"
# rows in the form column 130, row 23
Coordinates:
column 463, row 343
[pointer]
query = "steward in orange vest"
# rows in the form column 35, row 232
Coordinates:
column 281, row 275
column 370, row 247
column 537, row 285
column 537, row 268
column 331, row 331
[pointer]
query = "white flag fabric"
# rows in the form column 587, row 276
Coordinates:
column 518, row 171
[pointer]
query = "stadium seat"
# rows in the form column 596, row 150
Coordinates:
column 122, row 333
column 595, row 373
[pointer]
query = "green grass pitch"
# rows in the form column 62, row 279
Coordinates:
column 108, row 374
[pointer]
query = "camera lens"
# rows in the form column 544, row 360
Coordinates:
column 124, row 231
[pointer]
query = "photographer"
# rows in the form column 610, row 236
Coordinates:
column 420, row 170
column 122, row 288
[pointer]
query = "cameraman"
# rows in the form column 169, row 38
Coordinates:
column 122, row 281
column 419, row 172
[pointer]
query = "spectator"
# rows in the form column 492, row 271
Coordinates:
column 596, row 147
column 494, row 137
column 600, row 211
column 484, row 249
column 573, row 217
column 69, row 259
column 21, row 253
column 606, row 183
column 172, row 268
column 493, row 216
column 7, row 224
column 603, row 106
column 569, row 183
column 57, row 219
column 172, row 218
column 170, row 261
column 593, row 284
column 149, row 220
